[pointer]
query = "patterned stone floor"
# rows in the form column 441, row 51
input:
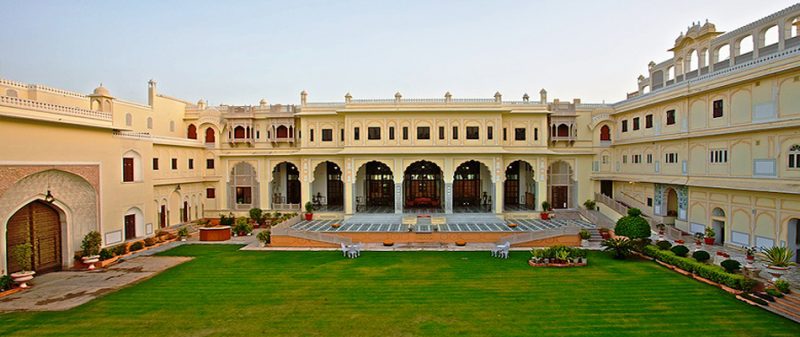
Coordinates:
column 523, row 225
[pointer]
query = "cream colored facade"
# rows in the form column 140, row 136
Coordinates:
column 675, row 160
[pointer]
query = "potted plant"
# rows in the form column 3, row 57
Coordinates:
column 242, row 227
column 545, row 214
column 749, row 256
column 256, row 215
column 589, row 204
column 183, row 233
column 22, row 255
column 309, row 211
column 710, row 234
column 263, row 237
column 698, row 240
column 585, row 238
column 778, row 259
column 91, row 248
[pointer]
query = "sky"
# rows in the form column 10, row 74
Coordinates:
column 238, row 52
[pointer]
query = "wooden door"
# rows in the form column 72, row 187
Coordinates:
column 127, row 169
column 162, row 217
column 39, row 224
column 293, row 191
column 511, row 193
column 130, row 226
column 335, row 193
column 185, row 212
column 607, row 188
column 560, row 197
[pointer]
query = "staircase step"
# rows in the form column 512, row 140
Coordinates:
column 784, row 311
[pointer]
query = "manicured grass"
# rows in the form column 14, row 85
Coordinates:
column 224, row 292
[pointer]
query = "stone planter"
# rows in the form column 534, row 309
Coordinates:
column 461, row 243
column 220, row 233
column 91, row 260
column 776, row 272
column 22, row 278
column 388, row 243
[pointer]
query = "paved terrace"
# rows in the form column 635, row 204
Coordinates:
column 462, row 225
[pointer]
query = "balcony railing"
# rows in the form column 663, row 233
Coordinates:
column 54, row 108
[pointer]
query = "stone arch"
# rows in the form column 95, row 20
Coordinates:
column 131, row 159
column 519, row 186
column 605, row 133
column 423, row 185
column 74, row 198
column 375, row 188
column 43, row 225
column 138, row 227
column 243, row 186
column 472, row 187
column 327, row 185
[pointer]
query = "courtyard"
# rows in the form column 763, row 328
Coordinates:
column 225, row 291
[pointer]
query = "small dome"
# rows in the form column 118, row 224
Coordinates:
column 263, row 101
column 200, row 102
column 101, row 91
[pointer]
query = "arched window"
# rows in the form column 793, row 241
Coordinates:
column 282, row 132
column 770, row 36
column 794, row 156
column 563, row 130
column 724, row 52
column 210, row 136
column 238, row 132
column 128, row 119
column 191, row 133
column 605, row 133
column 131, row 167
column 149, row 122
column 694, row 61
column 746, row 45
column 670, row 73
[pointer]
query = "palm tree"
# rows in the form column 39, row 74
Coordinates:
column 620, row 246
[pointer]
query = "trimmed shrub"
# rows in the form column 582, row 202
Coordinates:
column 707, row 271
column 6, row 282
column 119, row 249
column 106, row 254
column 664, row 245
column 731, row 266
column 701, row 256
column 150, row 241
column 782, row 286
column 138, row 245
column 680, row 250
column 633, row 225
column 91, row 243
column 774, row 292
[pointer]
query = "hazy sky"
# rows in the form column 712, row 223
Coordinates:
column 237, row 52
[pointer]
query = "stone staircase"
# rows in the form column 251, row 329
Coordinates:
column 788, row 306
column 596, row 238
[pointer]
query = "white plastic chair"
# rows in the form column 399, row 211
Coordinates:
column 345, row 250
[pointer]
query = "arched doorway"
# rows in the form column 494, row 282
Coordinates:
column 718, row 225
column 39, row 224
column 672, row 202
column 243, row 187
column 560, row 185
column 605, row 133
column 327, row 188
column 191, row 132
column 472, row 188
column 374, row 190
column 422, row 187
column 285, row 186
column 519, row 187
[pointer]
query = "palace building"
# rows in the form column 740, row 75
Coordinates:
column 710, row 138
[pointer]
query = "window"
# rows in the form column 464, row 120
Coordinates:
column 423, row 132
column 311, row 135
column 455, row 132
column 625, row 126
column 128, row 119
column 473, row 132
column 717, row 108
column 127, row 169
column 605, row 159
column 505, row 134
column 637, row 159
column 327, row 135
column 624, row 158
column 356, row 133
column 341, row 134
column 405, row 133
column 605, row 133
column 519, row 134
column 441, row 132
column 635, row 123
column 649, row 158
column 649, row 202
column 258, row 134
column 794, row 156
column 671, row 158
column 718, row 156
column 489, row 133
column 210, row 164
column 211, row 193
column 149, row 122
column 174, row 163
column 535, row 133
column 191, row 132
column 374, row 133
column 191, row 164
column 670, row 117
column 155, row 164
column 648, row 121
column 391, row 133
column 244, row 195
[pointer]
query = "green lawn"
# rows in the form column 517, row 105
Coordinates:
column 227, row 292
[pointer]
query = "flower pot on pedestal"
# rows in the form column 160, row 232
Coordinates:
column 91, row 260
column 22, row 278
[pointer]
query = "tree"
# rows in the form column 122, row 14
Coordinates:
column 633, row 225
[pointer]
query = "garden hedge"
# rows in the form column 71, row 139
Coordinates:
column 707, row 271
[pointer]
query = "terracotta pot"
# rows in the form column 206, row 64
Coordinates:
column 512, row 225
column 22, row 278
column 336, row 225
column 388, row 243
column 544, row 215
column 709, row 241
column 309, row 216
column 776, row 272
